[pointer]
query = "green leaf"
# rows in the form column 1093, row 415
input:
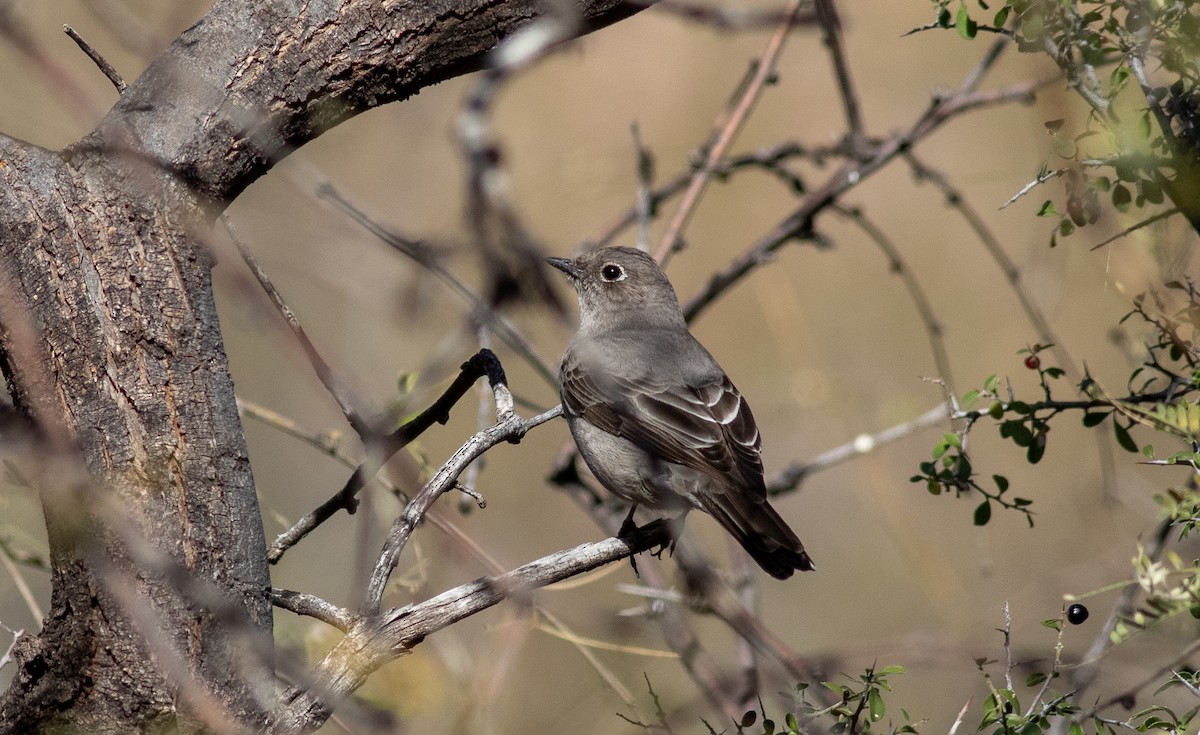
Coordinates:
column 1047, row 209
column 1001, row 483
column 966, row 27
column 1152, row 191
column 890, row 670
column 875, row 705
column 983, row 513
column 1093, row 419
column 991, row 383
column 1034, row 679
column 970, row 397
column 1148, row 450
column 1037, row 448
column 1124, row 439
column 1121, row 197
column 1054, row 623
column 1001, row 17
column 1144, row 125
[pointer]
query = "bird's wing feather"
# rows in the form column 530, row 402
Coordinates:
column 707, row 427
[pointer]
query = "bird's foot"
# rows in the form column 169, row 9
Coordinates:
column 673, row 527
column 628, row 528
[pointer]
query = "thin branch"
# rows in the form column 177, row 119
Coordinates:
column 375, row 640
column 340, row 394
column 678, row 632
column 933, row 325
column 733, row 19
column 831, row 35
column 1006, row 264
column 726, row 132
column 100, row 62
column 22, row 586
column 1134, row 228
column 770, row 159
column 380, row 449
column 421, row 253
column 791, row 477
column 798, row 225
column 509, row 428
column 302, row 603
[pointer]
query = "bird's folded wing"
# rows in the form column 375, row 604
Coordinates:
column 708, row 428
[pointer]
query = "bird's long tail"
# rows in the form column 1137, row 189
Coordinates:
column 761, row 532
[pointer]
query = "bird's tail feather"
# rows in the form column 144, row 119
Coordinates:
column 761, row 532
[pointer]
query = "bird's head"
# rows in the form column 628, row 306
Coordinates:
column 620, row 284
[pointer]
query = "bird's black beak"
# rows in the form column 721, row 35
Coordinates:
column 566, row 266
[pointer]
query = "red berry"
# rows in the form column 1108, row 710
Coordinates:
column 1032, row 362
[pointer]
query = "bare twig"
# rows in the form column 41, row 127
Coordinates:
column 727, row 129
column 18, row 579
column 340, row 394
column 509, row 428
column 423, row 255
column 1135, row 227
column 375, row 640
column 312, row 606
column 381, row 448
column 733, row 19
column 798, row 225
column 1006, row 264
column 933, row 325
column 831, row 35
column 100, row 62
column 790, row 478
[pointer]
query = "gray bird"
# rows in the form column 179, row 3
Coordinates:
column 654, row 415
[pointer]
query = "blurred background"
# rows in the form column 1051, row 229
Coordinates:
column 826, row 344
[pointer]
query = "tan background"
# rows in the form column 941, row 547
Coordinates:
column 826, row 345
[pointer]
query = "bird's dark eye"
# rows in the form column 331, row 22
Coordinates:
column 612, row 272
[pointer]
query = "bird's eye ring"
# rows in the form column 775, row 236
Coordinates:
column 612, row 272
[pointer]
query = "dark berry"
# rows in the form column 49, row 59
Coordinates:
column 1076, row 614
column 1032, row 362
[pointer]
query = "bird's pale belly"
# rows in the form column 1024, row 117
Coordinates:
column 631, row 473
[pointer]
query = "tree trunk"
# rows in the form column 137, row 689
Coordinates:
column 159, row 614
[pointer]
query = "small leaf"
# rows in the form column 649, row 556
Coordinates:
column 1144, row 125
column 1037, row 448
column 1121, row 197
column 1148, row 450
column 1001, row 483
column 966, row 27
column 1001, row 17
column 1047, row 209
column 1124, row 439
column 983, row 513
column 1034, row 679
column 875, row 705
column 1093, row 419
column 1152, row 191
column 970, row 397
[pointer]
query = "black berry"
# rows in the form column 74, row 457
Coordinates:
column 1076, row 614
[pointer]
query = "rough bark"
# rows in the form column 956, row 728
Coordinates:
column 111, row 344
